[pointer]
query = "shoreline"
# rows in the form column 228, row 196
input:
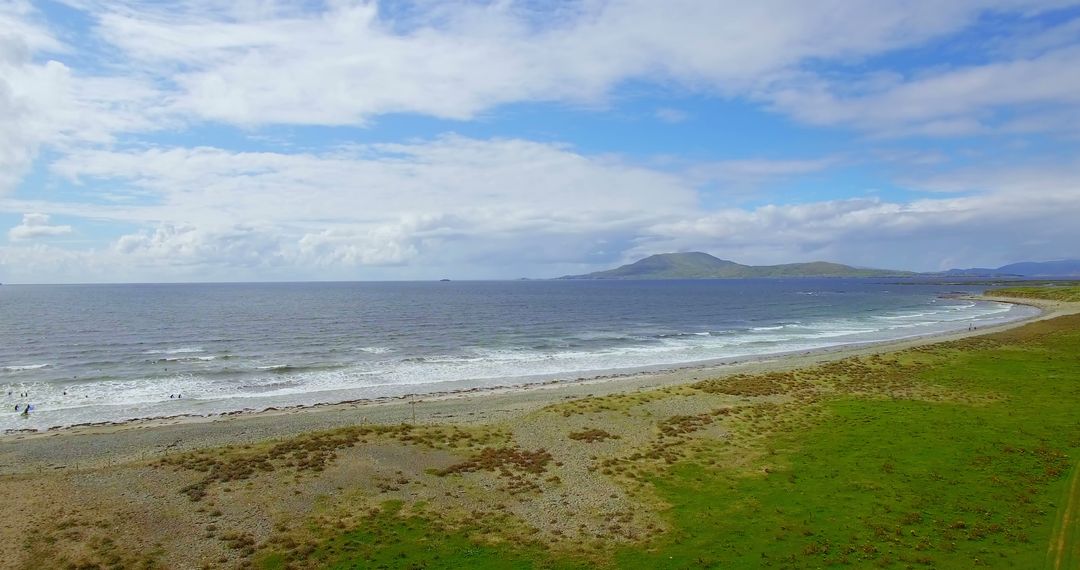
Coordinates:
column 75, row 447
column 661, row 372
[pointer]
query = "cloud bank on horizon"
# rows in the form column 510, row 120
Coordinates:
column 263, row 140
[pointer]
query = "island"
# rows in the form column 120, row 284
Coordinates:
column 698, row 265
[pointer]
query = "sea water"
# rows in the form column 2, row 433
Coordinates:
column 95, row 353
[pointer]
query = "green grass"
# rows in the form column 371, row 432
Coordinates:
column 1064, row 551
column 1069, row 293
column 897, row 483
column 389, row 539
column 878, row 482
column 884, row 482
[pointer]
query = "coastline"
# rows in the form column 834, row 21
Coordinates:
column 116, row 442
column 48, row 419
column 547, row 474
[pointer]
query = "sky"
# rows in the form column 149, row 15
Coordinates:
column 257, row 140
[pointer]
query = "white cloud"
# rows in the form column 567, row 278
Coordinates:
column 1029, row 179
column 353, row 61
column 45, row 103
column 273, row 63
column 448, row 200
column 503, row 180
column 36, row 226
column 492, row 207
column 237, row 246
column 957, row 101
column 928, row 234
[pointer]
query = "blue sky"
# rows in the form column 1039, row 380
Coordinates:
column 256, row 140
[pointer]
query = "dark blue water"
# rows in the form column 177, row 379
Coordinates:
column 110, row 352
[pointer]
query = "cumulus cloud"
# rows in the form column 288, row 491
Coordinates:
column 456, row 203
column 44, row 103
column 168, row 244
column 951, row 102
column 36, row 226
column 502, row 180
column 347, row 62
column 926, row 234
column 355, row 60
column 450, row 198
column 19, row 77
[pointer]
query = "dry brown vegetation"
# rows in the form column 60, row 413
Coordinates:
column 592, row 435
column 79, row 542
column 502, row 460
column 679, row 424
column 518, row 467
column 312, row 452
column 750, row 385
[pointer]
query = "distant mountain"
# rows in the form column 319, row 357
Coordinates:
column 1063, row 268
column 697, row 265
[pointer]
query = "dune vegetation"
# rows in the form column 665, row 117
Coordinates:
column 1052, row 292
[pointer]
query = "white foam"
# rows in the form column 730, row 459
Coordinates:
column 601, row 335
column 375, row 349
column 189, row 358
column 24, row 367
column 181, row 350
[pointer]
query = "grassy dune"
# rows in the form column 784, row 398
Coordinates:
column 952, row 455
column 1067, row 293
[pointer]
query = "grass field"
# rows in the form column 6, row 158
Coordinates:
column 1064, row 551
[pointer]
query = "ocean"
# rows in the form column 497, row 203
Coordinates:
column 95, row 353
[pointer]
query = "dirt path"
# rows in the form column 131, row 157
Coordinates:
column 1064, row 551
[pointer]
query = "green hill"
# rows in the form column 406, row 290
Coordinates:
column 697, row 265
